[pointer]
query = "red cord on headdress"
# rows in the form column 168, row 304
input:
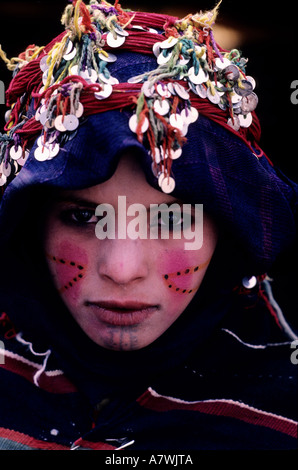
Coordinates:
column 125, row 95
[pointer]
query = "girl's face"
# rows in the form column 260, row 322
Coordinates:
column 123, row 291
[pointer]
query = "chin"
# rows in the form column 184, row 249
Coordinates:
column 125, row 342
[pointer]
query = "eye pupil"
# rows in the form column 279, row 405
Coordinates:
column 171, row 218
column 82, row 215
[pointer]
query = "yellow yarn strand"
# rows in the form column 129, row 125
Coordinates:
column 76, row 18
column 12, row 63
column 207, row 18
column 203, row 19
column 55, row 57
column 109, row 24
column 37, row 52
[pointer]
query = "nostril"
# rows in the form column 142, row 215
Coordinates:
column 123, row 272
column 121, row 276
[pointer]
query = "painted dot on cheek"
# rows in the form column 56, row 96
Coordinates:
column 169, row 278
column 71, row 264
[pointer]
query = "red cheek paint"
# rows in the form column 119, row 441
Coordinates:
column 70, row 264
column 179, row 272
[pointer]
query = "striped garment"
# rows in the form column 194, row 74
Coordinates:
column 234, row 395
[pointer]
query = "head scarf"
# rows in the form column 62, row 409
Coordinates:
column 118, row 80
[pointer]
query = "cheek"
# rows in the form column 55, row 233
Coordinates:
column 68, row 263
column 179, row 273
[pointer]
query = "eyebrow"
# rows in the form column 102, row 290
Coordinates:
column 91, row 204
column 76, row 200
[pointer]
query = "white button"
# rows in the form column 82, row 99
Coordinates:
column 157, row 155
column 171, row 88
column 71, row 55
column 134, row 79
column 177, row 121
column 161, row 59
column 168, row 43
column 90, row 75
column 174, row 154
column 220, row 86
column 7, row 115
column 222, row 63
column 69, row 48
column 249, row 282
column 133, row 123
column 199, row 78
column 189, row 115
column 74, row 70
column 181, row 91
column 234, row 123
column 156, row 49
column 16, row 153
column 71, row 122
column 43, row 117
column 5, row 169
column 201, row 90
column 110, row 80
column 163, row 90
column 23, row 159
column 122, row 32
column 161, row 107
column 183, row 61
column 41, row 154
column 3, row 180
column 80, row 110
column 107, row 58
column 213, row 97
column 59, row 123
column 168, row 184
column 161, row 177
column 235, row 98
column 115, row 42
column 148, row 89
column 54, row 150
column 104, row 93
column 43, row 63
column 252, row 81
column 199, row 49
column 245, row 121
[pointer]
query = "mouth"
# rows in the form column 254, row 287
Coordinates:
column 125, row 313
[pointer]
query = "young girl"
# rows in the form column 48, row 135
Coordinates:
column 138, row 222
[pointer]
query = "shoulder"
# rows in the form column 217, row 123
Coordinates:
column 240, row 385
column 40, row 406
column 21, row 360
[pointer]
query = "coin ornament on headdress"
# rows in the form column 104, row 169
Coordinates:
column 75, row 75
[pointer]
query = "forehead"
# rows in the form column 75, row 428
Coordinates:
column 128, row 180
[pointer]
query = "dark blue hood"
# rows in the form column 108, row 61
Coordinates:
column 243, row 193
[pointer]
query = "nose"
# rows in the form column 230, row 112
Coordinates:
column 122, row 262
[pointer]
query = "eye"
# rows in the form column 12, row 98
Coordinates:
column 80, row 216
column 170, row 219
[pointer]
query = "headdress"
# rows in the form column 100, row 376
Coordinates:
column 56, row 87
column 116, row 80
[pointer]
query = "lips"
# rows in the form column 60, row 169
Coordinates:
column 124, row 313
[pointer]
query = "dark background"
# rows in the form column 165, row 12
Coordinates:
column 267, row 34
